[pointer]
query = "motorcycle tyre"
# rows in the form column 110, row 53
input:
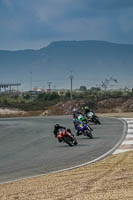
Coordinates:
column 89, row 134
column 75, row 141
column 96, row 121
column 69, row 141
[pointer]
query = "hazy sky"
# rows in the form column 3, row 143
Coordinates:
column 35, row 23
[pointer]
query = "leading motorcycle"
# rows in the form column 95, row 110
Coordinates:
column 92, row 117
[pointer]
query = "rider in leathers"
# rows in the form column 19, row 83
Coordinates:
column 56, row 130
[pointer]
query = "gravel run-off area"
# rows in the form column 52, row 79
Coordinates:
column 109, row 179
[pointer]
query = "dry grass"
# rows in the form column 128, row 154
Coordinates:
column 22, row 114
column 109, row 179
column 40, row 113
column 122, row 115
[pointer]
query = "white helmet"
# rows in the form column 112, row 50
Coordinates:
column 75, row 109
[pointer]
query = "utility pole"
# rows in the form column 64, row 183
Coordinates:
column 71, row 83
column 31, row 81
column 49, row 86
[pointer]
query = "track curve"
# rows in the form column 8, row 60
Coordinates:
column 28, row 147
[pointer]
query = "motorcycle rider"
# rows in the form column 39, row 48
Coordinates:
column 86, row 110
column 77, row 122
column 56, row 130
column 82, row 119
column 76, row 113
column 90, row 115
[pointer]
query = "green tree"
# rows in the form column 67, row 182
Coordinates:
column 67, row 95
column 95, row 89
column 83, row 88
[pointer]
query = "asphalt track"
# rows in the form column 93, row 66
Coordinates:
column 28, row 146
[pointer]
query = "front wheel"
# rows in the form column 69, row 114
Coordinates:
column 75, row 141
column 89, row 134
column 96, row 120
column 68, row 140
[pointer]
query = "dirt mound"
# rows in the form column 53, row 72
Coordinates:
column 111, row 105
column 65, row 108
column 128, row 105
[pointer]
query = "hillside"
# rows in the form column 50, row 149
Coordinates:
column 87, row 59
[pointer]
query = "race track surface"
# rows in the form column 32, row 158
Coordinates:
column 28, row 146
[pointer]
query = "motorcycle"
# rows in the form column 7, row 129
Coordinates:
column 84, row 129
column 64, row 136
column 91, row 116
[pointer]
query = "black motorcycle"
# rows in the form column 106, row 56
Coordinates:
column 91, row 117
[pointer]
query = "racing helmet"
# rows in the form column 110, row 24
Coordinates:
column 80, row 118
column 75, row 110
column 57, row 126
column 86, row 107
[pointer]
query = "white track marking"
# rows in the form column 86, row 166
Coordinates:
column 127, row 144
column 130, row 126
column 129, row 136
column 130, row 131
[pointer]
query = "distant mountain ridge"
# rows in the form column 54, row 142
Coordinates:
column 87, row 59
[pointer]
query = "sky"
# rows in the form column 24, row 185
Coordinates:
column 33, row 24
